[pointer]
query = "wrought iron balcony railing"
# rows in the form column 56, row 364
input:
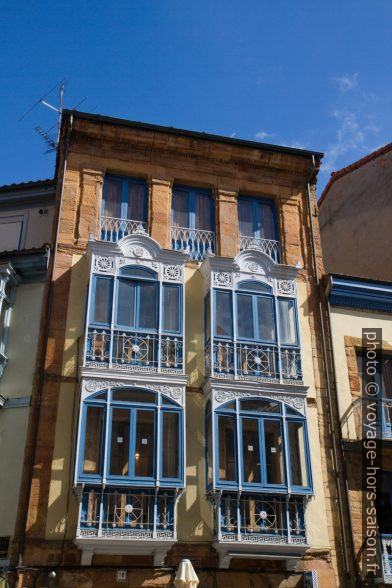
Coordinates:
column 126, row 513
column 268, row 246
column 130, row 350
column 235, row 359
column 3, row 362
column 382, row 424
column 386, row 556
column 196, row 242
column 114, row 229
column 260, row 519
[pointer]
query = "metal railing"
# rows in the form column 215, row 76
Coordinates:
column 386, row 557
column 263, row 518
column 383, row 424
column 248, row 360
column 3, row 363
column 133, row 350
column 268, row 246
column 196, row 242
column 113, row 229
column 127, row 513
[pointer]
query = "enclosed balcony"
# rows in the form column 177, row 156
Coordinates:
column 386, row 556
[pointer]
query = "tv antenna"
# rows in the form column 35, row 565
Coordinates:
column 49, row 139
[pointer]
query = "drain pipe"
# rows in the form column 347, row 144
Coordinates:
column 345, row 476
column 349, row 578
column 41, row 375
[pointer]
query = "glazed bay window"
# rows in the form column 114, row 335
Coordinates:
column 8, row 281
column 257, row 225
column 261, row 470
column 135, row 321
column 192, row 226
column 383, row 379
column 130, row 465
column 124, row 207
column 255, row 333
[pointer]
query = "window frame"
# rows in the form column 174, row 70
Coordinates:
column 191, row 211
column 256, row 201
column 93, row 289
column 125, row 181
column 283, row 418
column 158, row 407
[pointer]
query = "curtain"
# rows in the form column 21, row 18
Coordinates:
column 245, row 218
column 144, row 455
column 101, row 301
column 112, row 201
column 245, row 316
column 93, row 440
column 223, row 314
column 136, row 202
column 265, row 315
column 266, row 220
column 180, row 209
column 287, row 322
column 126, row 303
column 203, row 218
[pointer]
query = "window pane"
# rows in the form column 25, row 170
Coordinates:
column 223, row 322
column 265, row 319
column 226, row 448
column 126, row 303
column 245, row 316
column 103, row 290
column 119, row 445
column 260, row 406
column 144, row 454
column 147, row 306
column 387, row 377
column 251, row 450
column 203, row 216
column 133, row 396
column 170, row 445
column 287, row 322
column 207, row 317
column 245, row 218
column 93, row 440
column 299, row 476
column 112, row 198
column 209, row 449
column 273, row 452
column 171, row 310
column 136, row 202
column 180, row 209
column 266, row 220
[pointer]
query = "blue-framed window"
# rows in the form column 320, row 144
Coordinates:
column 259, row 445
column 192, row 208
column 382, row 377
column 138, row 301
column 131, row 436
column 124, row 198
column 257, row 218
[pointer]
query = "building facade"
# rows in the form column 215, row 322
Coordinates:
column 183, row 407
column 361, row 335
column 26, row 220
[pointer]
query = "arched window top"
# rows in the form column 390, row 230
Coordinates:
column 130, row 395
column 143, row 273
column 99, row 396
column 259, row 405
column 255, row 286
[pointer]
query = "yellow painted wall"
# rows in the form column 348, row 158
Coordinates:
column 349, row 323
column 17, row 382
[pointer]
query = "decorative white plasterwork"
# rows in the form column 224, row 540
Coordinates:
column 222, row 396
column 285, row 287
column 174, row 392
column 172, row 273
column 103, row 264
column 222, row 279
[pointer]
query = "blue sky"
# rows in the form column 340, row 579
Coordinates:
column 307, row 74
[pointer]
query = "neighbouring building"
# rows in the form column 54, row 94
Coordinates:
column 358, row 306
column 26, row 220
column 355, row 217
column 183, row 409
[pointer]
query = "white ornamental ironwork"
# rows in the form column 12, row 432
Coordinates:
column 196, row 242
column 113, row 229
column 268, row 246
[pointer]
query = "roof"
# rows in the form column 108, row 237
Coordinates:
column 25, row 185
column 359, row 293
column 193, row 134
column 352, row 167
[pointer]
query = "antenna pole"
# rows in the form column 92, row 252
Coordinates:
column 60, row 112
